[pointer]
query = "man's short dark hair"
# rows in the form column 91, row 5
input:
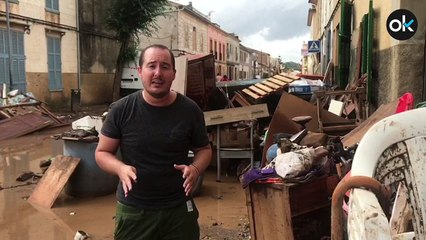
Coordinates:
column 160, row 46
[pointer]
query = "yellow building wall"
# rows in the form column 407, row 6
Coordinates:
column 393, row 60
column 35, row 46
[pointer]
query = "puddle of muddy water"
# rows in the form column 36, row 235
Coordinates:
column 222, row 206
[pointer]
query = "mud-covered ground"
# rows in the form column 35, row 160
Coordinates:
column 222, row 205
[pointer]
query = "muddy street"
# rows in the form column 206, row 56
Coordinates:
column 222, row 206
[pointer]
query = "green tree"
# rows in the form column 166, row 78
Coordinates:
column 290, row 66
column 128, row 18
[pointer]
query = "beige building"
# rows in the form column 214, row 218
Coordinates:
column 60, row 66
column 182, row 28
column 232, row 56
column 365, row 46
column 246, row 64
column 43, row 48
column 264, row 64
column 274, row 66
column 185, row 29
column 217, row 46
column 98, row 51
column 50, row 59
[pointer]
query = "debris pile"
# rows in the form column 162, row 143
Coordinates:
column 21, row 114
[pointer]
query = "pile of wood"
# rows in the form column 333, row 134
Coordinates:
column 269, row 86
column 20, row 119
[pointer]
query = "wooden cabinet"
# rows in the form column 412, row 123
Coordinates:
column 272, row 206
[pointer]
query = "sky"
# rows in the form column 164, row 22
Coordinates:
column 277, row 27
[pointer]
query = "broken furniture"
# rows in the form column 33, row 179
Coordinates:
column 230, row 115
column 272, row 207
column 200, row 79
column 275, row 207
column 289, row 107
column 354, row 100
column 24, row 118
column 241, row 152
column 10, row 111
column 22, row 125
column 391, row 152
column 238, row 98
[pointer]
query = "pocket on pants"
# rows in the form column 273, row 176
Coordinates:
column 127, row 221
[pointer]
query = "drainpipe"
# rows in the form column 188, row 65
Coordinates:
column 78, row 45
column 9, row 45
column 76, row 93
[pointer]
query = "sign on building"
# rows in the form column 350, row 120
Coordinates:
column 314, row 46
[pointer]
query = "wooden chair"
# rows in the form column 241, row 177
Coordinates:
column 352, row 98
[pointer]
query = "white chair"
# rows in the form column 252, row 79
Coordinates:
column 392, row 151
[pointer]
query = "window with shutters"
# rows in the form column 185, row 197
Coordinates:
column 54, row 63
column 194, row 39
column 18, row 80
column 4, row 58
column 186, row 35
column 52, row 5
column 201, row 43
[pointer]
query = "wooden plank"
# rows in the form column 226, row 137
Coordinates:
column 53, row 181
column 293, row 77
column 249, row 204
column 236, row 114
column 257, row 90
column 250, row 93
column 338, row 128
column 4, row 114
column 53, row 117
column 284, row 79
column 271, row 212
column 22, row 124
column 20, row 105
column 273, row 207
column 271, row 84
column 240, row 99
column 264, row 88
column 312, row 195
column 276, row 81
column 322, row 93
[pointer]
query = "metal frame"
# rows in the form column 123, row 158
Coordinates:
column 232, row 152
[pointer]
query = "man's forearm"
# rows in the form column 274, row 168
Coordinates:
column 202, row 158
column 108, row 162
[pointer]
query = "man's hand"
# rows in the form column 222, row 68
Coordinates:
column 127, row 175
column 190, row 173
